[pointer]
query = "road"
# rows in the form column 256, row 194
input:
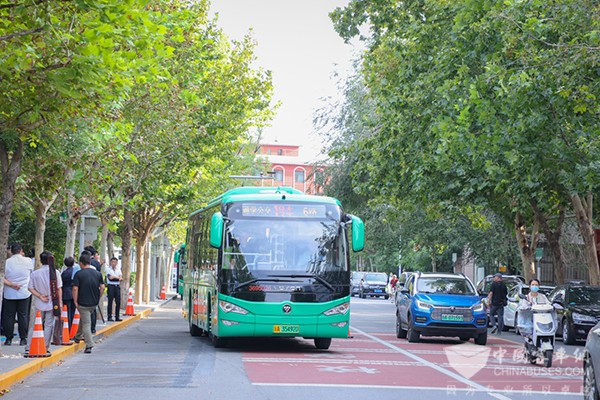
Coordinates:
column 157, row 358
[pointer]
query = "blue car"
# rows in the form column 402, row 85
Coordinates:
column 439, row 304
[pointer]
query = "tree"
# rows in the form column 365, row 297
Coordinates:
column 482, row 103
column 61, row 59
column 179, row 141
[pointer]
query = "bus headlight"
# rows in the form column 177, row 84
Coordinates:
column 229, row 307
column 341, row 309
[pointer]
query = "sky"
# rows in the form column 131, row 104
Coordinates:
column 297, row 42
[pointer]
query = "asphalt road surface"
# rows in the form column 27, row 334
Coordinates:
column 156, row 358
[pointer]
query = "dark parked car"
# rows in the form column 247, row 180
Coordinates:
column 577, row 308
column 355, row 282
column 437, row 304
column 374, row 284
column 591, row 365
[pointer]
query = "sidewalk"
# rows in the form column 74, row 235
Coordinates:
column 14, row 367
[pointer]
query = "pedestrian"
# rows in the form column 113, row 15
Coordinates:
column 497, row 298
column 393, row 283
column 67, row 276
column 16, row 299
column 94, row 262
column 45, row 284
column 113, row 282
column 94, row 258
column 87, row 289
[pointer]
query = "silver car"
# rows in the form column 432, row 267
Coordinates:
column 591, row 365
column 516, row 294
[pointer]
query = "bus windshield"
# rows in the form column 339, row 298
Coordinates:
column 285, row 254
column 284, row 246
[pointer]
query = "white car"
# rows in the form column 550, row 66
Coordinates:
column 515, row 294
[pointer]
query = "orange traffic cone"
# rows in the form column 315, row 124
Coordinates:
column 65, row 331
column 129, row 309
column 37, row 347
column 163, row 293
column 75, row 324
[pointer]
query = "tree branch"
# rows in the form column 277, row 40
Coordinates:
column 555, row 45
column 22, row 33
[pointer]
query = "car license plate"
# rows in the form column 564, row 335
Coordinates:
column 286, row 328
column 452, row 317
column 377, row 290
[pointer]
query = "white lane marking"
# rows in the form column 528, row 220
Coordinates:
column 405, row 388
column 444, row 371
column 330, row 361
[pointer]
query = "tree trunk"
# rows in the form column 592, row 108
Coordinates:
column 526, row 246
column 41, row 207
column 73, row 215
column 126, row 237
column 433, row 261
column 583, row 212
column 553, row 239
column 146, row 274
column 140, row 254
column 110, row 244
column 103, row 239
column 11, row 168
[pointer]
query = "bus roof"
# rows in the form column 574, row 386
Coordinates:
column 266, row 193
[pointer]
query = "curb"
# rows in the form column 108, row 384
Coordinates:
column 8, row 379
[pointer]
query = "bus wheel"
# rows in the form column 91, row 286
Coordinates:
column 322, row 343
column 194, row 330
column 217, row 341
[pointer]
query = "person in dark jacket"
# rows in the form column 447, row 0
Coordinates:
column 94, row 262
column 497, row 298
column 67, row 293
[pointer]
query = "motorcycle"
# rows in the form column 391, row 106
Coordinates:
column 537, row 324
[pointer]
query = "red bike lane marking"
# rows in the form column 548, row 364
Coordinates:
column 358, row 361
column 499, row 365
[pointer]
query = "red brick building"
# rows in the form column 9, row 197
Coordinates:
column 290, row 169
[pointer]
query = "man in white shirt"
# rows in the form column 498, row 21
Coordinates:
column 113, row 281
column 16, row 298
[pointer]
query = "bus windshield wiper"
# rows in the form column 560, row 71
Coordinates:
column 251, row 281
column 315, row 277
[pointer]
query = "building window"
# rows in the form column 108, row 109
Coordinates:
column 279, row 152
column 319, row 177
column 299, row 176
column 278, row 175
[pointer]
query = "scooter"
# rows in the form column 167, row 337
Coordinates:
column 537, row 324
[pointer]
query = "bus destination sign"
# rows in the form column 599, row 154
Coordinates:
column 284, row 210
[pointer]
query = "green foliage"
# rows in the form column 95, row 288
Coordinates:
column 22, row 230
column 134, row 104
column 477, row 106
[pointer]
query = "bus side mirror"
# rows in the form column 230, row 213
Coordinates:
column 216, row 230
column 358, row 234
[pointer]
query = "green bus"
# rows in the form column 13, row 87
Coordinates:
column 269, row 261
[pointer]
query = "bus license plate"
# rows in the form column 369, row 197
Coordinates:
column 452, row 317
column 286, row 328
